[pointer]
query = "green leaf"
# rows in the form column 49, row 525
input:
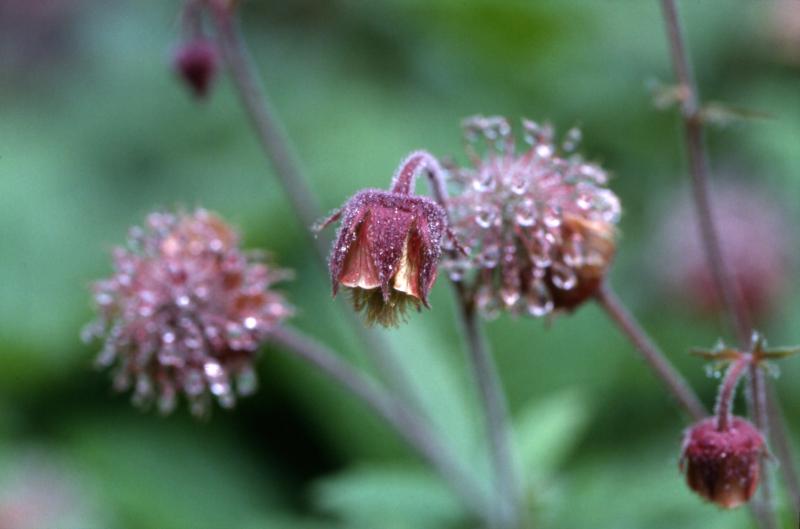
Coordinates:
column 388, row 497
column 548, row 430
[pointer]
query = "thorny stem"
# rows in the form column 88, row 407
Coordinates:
column 399, row 417
column 274, row 141
column 650, row 352
column 725, row 283
column 727, row 390
column 495, row 409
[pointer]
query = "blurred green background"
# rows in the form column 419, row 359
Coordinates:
column 95, row 132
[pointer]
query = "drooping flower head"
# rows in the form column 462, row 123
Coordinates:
column 723, row 464
column 185, row 312
column 540, row 225
column 388, row 245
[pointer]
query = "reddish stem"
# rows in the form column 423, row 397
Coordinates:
column 406, row 176
column 727, row 390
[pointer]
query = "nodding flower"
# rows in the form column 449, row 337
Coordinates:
column 723, row 464
column 388, row 245
column 185, row 311
column 540, row 225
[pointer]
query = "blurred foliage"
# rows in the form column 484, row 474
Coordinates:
column 96, row 132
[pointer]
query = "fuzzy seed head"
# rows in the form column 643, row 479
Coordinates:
column 723, row 466
column 540, row 224
column 185, row 311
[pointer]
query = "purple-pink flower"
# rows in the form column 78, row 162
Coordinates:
column 185, row 311
column 388, row 246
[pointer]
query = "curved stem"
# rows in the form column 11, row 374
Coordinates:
column 650, row 352
column 274, row 141
column 727, row 390
column 408, row 425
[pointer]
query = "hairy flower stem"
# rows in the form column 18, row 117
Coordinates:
column 727, row 390
column 510, row 502
column 724, row 281
column 275, row 143
column 650, row 352
column 406, row 423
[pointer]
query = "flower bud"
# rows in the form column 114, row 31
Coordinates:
column 723, row 466
column 388, row 247
column 540, row 225
column 196, row 63
column 185, row 312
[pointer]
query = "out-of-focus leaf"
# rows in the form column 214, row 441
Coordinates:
column 388, row 497
column 723, row 114
column 171, row 477
column 638, row 485
column 288, row 522
column 547, row 431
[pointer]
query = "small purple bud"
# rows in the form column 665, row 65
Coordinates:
column 196, row 63
column 723, row 465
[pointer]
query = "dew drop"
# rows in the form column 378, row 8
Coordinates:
column 538, row 301
column 485, row 216
column 544, row 150
column 510, row 296
column 519, row 185
column 489, row 257
column 532, row 131
column 483, row 182
column 144, row 387
column 246, row 381
column 552, row 216
column 193, row 384
column 487, row 303
column 525, row 213
column 572, row 139
column 103, row 299
column 167, row 400
column 563, row 276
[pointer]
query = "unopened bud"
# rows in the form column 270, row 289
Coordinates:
column 196, row 63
